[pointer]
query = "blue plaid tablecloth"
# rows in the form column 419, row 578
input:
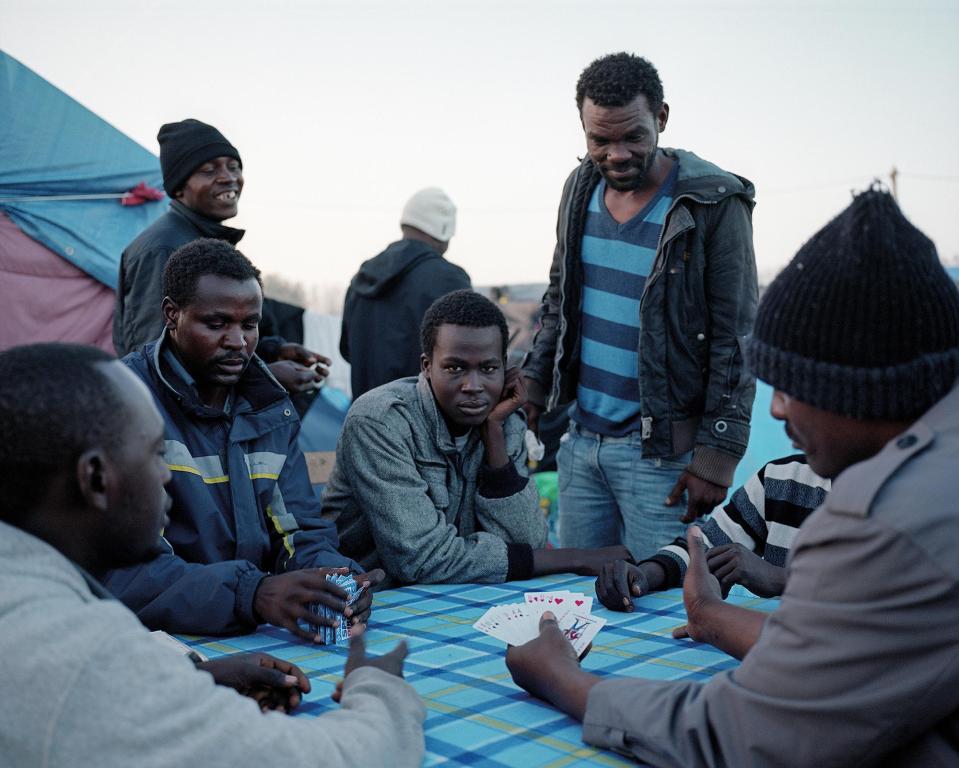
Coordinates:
column 476, row 716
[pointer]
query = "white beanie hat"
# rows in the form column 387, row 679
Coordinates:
column 431, row 211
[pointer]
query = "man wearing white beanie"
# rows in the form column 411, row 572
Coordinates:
column 388, row 297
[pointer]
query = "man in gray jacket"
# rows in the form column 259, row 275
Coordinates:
column 652, row 289
column 858, row 666
column 430, row 481
column 84, row 682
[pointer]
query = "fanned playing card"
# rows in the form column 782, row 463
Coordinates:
column 518, row 623
column 580, row 629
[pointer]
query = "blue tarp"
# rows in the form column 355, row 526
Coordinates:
column 52, row 146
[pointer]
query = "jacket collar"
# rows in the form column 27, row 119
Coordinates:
column 207, row 227
column 697, row 178
column 257, row 386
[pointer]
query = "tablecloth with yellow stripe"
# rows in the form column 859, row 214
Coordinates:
column 476, row 716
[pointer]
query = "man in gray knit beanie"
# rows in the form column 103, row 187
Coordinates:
column 859, row 336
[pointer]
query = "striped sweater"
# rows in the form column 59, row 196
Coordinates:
column 763, row 515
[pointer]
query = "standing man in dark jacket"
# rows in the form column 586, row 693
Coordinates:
column 652, row 291
column 388, row 297
column 203, row 175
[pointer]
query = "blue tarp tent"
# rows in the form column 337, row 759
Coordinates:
column 63, row 174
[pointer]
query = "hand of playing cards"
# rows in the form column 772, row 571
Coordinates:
column 341, row 632
column 518, row 623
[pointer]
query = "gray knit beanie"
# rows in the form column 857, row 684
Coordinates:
column 864, row 321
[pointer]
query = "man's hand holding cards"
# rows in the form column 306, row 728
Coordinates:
column 518, row 623
column 330, row 635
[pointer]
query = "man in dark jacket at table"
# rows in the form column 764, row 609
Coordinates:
column 245, row 536
column 858, row 666
column 388, row 297
column 203, row 175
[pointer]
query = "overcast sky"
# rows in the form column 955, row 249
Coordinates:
column 342, row 109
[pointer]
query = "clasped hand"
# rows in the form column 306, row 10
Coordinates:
column 284, row 600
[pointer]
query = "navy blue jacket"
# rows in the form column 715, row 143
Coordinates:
column 384, row 307
column 243, row 506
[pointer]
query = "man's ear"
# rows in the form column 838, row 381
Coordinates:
column 92, row 478
column 662, row 117
column 178, row 194
column 171, row 312
column 425, row 365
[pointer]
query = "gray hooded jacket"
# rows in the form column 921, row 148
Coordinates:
column 86, row 685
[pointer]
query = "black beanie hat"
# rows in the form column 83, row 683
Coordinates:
column 185, row 146
column 864, row 321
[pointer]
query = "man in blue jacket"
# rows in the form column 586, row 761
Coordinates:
column 245, row 537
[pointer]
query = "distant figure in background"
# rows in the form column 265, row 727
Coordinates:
column 203, row 175
column 388, row 297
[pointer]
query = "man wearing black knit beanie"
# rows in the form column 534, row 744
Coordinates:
column 203, row 175
column 859, row 336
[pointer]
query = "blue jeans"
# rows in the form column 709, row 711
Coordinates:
column 609, row 494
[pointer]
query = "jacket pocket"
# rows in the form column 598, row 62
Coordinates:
column 434, row 475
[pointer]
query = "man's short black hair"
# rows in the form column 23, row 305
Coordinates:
column 206, row 256
column 54, row 404
column 615, row 80
column 463, row 307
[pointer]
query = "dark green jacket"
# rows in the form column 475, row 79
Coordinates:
column 697, row 307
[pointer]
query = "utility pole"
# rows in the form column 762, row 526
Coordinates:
column 892, row 176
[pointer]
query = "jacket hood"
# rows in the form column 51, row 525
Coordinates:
column 706, row 180
column 379, row 274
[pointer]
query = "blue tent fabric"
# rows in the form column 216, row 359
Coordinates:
column 52, row 146
column 321, row 424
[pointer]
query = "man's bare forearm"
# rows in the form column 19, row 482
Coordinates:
column 586, row 562
column 571, row 692
column 730, row 628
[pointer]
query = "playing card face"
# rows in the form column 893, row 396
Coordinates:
column 516, row 619
column 550, row 600
column 558, row 603
column 581, row 603
column 580, row 629
column 518, row 623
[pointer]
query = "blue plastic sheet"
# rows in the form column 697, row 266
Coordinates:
column 63, row 171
